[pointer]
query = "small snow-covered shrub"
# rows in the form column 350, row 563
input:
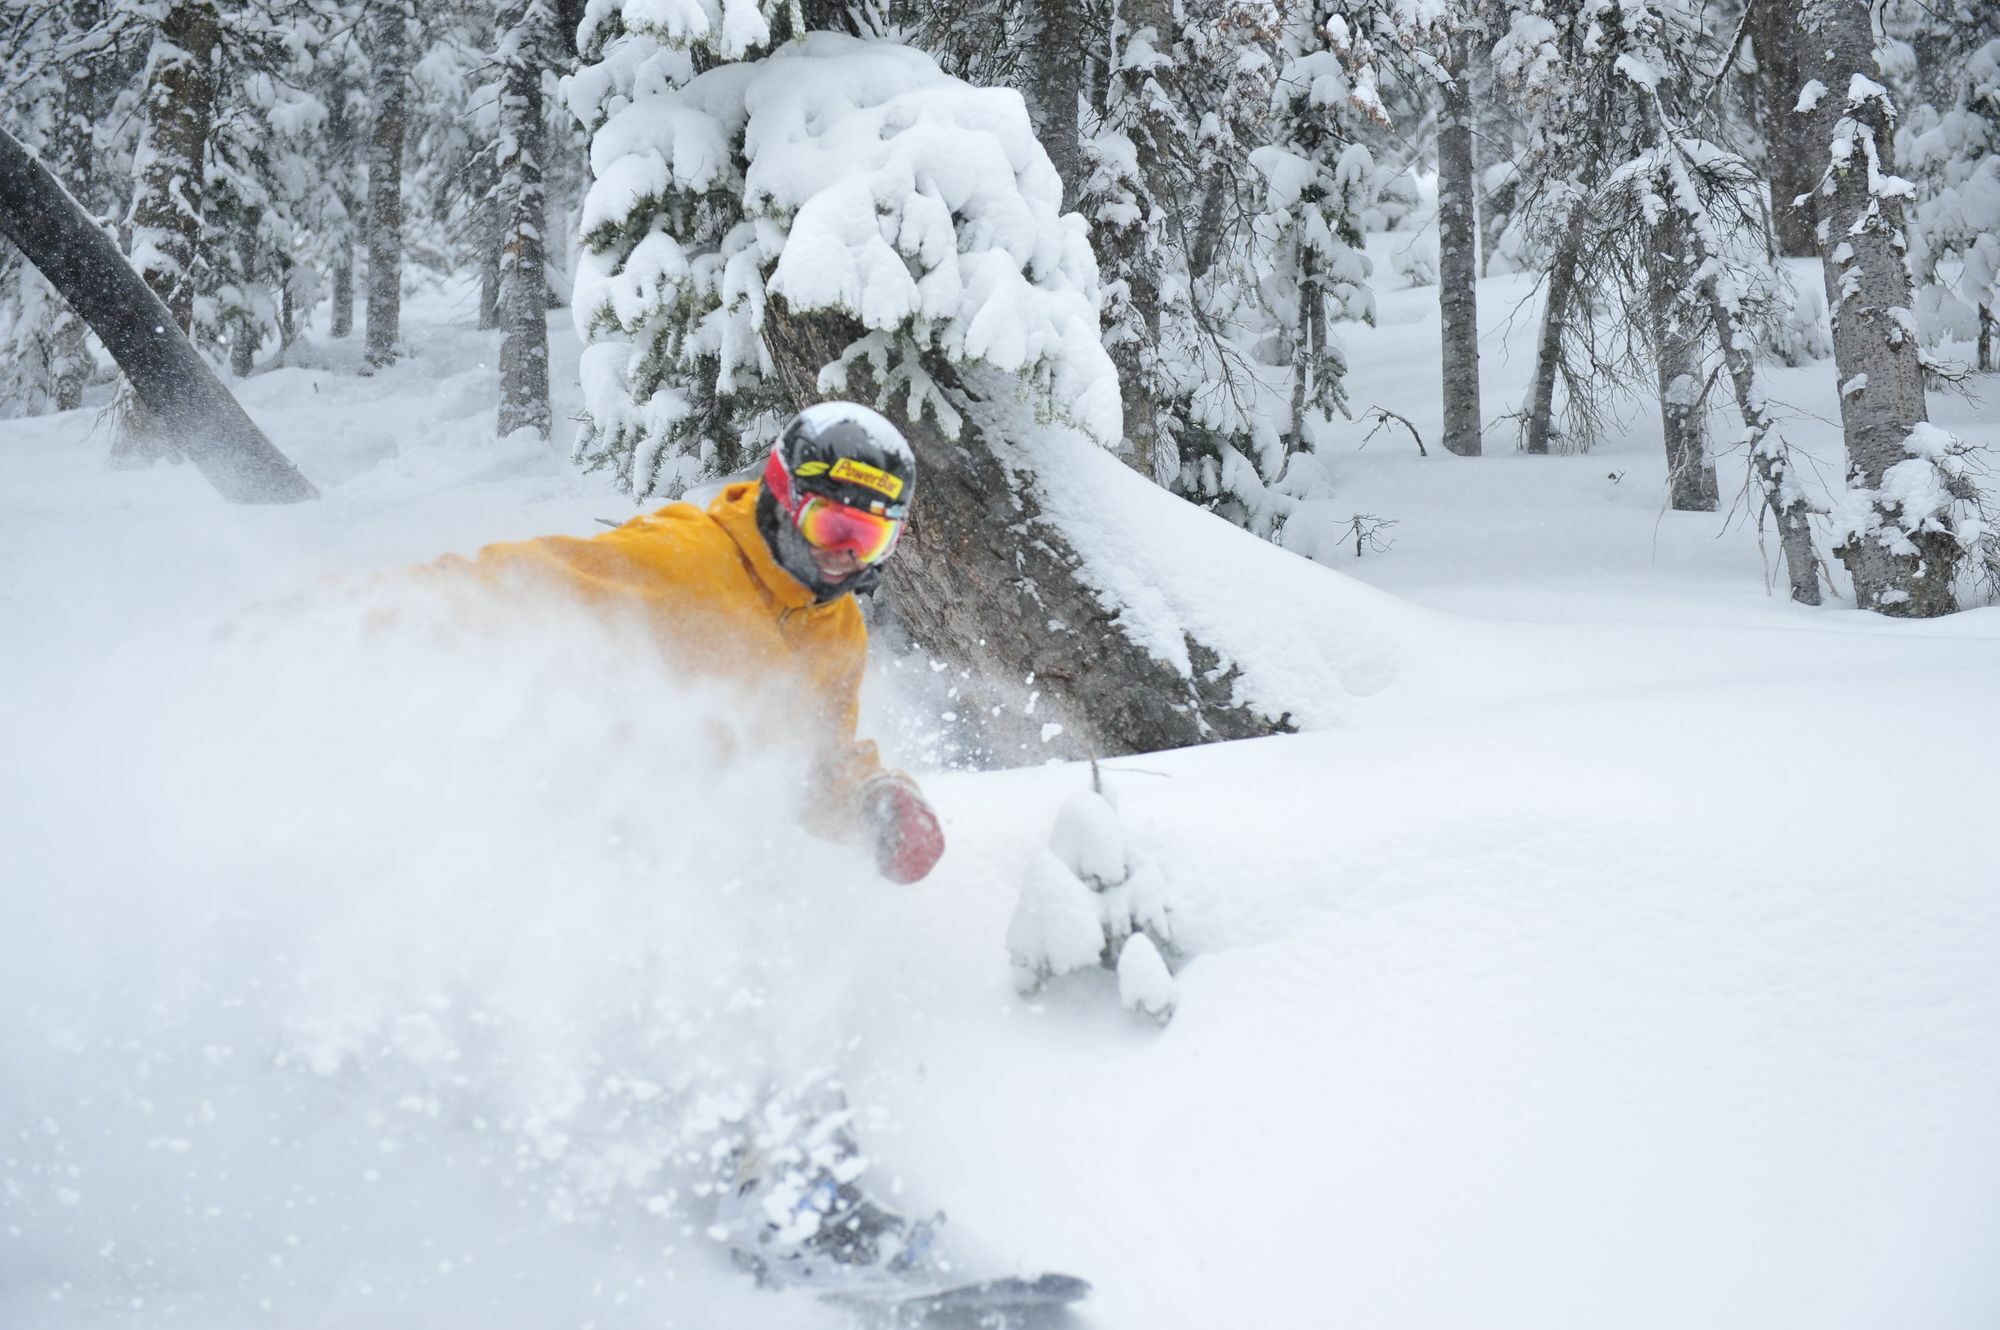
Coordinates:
column 1797, row 331
column 832, row 176
column 1093, row 899
column 1416, row 259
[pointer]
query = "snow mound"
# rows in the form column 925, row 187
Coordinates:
column 1307, row 642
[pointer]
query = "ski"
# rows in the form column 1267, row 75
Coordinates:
column 1009, row 1303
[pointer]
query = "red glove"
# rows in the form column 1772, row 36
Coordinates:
column 908, row 839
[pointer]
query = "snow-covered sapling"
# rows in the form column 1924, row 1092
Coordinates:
column 1094, row 899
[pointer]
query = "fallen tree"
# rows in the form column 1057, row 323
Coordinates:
column 179, row 390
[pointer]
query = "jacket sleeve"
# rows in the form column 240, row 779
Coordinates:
column 846, row 762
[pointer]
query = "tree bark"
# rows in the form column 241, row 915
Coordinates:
column 180, row 114
column 1676, row 342
column 343, row 292
column 524, row 292
column 184, row 397
column 389, row 94
column 1458, row 255
column 984, row 578
column 485, row 186
column 1793, row 161
column 1904, row 565
column 1059, row 66
column 1556, row 313
column 75, row 165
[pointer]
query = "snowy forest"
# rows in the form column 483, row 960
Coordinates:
column 1451, row 621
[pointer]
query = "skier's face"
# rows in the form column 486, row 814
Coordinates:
column 835, row 566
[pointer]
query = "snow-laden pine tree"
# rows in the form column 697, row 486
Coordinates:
column 1949, row 146
column 276, row 218
column 1308, row 257
column 62, row 65
column 1566, row 132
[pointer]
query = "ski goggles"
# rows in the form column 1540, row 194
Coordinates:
column 836, row 527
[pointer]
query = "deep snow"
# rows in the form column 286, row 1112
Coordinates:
column 1622, row 958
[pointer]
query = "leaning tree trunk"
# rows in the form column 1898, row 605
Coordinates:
column 1458, row 255
column 984, row 577
column 1903, row 562
column 524, row 292
column 390, row 49
column 1676, row 339
column 179, row 390
column 1557, row 311
column 1792, row 161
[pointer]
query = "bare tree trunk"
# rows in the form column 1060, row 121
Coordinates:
column 180, row 114
column 1059, row 65
column 492, row 225
column 288, row 309
column 343, row 292
column 75, row 165
column 1769, row 455
column 1556, row 314
column 985, row 578
column 1676, row 341
column 1904, row 563
column 1458, row 255
column 245, row 335
column 391, row 54
column 524, row 292
column 1310, row 301
column 165, row 219
column 182, row 394
column 1793, row 161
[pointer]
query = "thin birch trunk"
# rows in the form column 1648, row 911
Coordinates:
column 1458, row 256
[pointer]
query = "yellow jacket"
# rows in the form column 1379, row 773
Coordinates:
column 708, row 589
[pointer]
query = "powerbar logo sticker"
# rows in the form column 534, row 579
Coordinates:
column 814, row 468
column 860, row 473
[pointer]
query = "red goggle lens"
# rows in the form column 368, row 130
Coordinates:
column 836, row 527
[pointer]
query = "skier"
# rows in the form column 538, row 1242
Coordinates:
column 761, row 584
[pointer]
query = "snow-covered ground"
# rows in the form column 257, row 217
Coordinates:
column 1624, row 958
